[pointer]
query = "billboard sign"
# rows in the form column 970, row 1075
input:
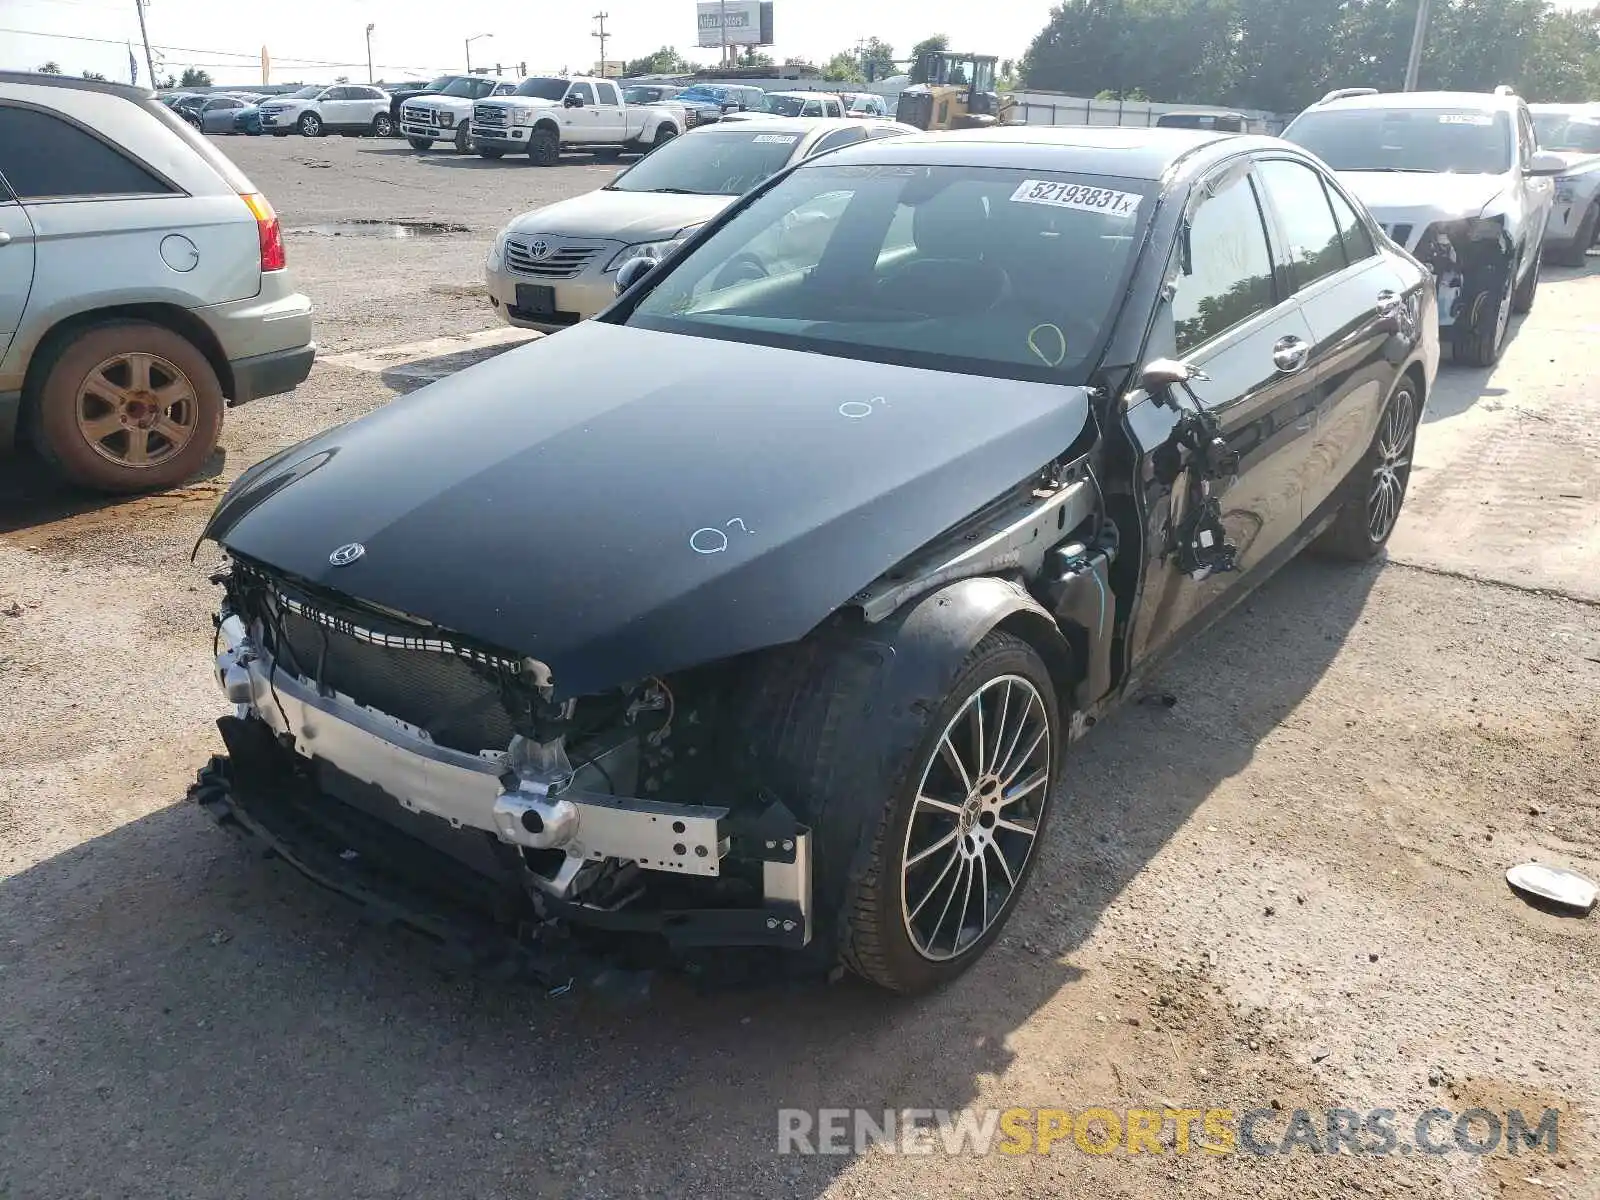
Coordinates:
column 745, row 22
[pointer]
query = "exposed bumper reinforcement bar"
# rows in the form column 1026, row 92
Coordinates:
column 472, row 792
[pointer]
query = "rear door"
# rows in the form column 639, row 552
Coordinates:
column 218, row 115
column 16, row 263
column 1231, row 315
column 609, row 126
column 1351, row 297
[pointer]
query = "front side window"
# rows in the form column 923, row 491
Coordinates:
column 1296, row 194
column 840, row 137
column 43, row 157
column 1225, row 277
column 583, row 92
column 1450, row 140
column 948, row 268
column 714, row 162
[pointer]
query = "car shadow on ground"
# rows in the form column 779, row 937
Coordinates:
column 184, row 1018
column 31, row 496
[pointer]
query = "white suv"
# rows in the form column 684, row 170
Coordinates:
column 316, row 110
column 1456, row 178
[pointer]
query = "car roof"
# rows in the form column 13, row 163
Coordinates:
column 1131, row 152
column 1483, row 101
column 81, row 85
column 788, row 125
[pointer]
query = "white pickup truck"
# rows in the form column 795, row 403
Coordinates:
column 545, row 115
column 445, row 114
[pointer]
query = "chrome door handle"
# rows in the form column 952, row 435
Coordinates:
column 1289, row 354
column 5, row 239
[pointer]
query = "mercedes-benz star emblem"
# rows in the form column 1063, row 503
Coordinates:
column 347, row 554
column 538, row 249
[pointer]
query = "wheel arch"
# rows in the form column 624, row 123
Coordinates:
column 169, row 316
column 548, row 123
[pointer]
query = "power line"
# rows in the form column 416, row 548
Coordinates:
column 246, row 56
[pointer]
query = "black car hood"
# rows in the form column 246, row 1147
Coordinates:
column 618, row 502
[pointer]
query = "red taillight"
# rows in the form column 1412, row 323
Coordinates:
column 273, row 257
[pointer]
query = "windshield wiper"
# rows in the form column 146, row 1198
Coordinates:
column 675, row 191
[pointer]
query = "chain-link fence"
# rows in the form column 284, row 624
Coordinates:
column 1074, row 110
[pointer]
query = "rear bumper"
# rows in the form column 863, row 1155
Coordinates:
column 271, row 374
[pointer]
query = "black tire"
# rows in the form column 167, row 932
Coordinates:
column 608, row 153
column 544, row 147
column 280, row 133
column 383, row 125
column 856, row 772
column 491, row 153
column 1522, row 298
column 664, row 135
column 310, row 125
column 1357, row 533
column 67, row 447
column 463, row 141
column 419, row 144
column 1481, row 342
column 1577, row 254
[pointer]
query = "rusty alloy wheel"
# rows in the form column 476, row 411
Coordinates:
column 137, row 410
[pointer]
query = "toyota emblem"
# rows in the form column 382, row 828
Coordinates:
column 347, row 554
column 538, row 249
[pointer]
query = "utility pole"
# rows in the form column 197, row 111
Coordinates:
column 601, row 34
column 370, row 28
column 148, row 61
column 722, row 16
column 1418, row 36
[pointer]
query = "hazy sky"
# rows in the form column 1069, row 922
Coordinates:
column 414, row 37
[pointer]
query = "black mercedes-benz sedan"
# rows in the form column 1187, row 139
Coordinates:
column 762, row 609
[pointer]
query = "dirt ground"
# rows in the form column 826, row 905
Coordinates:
column 1284, row 892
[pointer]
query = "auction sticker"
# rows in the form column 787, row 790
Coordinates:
column 1466, row 119
column 781, row 139
column 1078, row 196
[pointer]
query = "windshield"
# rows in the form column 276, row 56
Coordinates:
column 642, row 95
column 700, row 93
column 1448, row 140
column 1558, row 131
column 782, row 106
column 305, row 93
column 714, row 162
column 462, row 86
column 543, row 89
column 949, row 268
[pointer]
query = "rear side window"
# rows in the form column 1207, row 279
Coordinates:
column 1228, row 278
column 608, row 93
column 43, row 156
column 839, row 137
column 1296, row 193
column 1352, row 229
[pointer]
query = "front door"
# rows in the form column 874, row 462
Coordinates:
column 1230, row 314
column 579, row 119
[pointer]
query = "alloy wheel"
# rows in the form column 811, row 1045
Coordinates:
column 137, row 410
column 1396, row 436
column 976, row 818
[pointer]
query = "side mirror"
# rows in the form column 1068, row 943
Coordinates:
column 632, row 271
column 573, row 100
column 1546, row 164
column 1160, row 374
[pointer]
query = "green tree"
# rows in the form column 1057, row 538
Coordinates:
column 877, row 58
column 665, row 61
column 754, row 58
column 94, row 75
column 938, row 41
column 194, row 77
column 844, row 67
column 50, row 68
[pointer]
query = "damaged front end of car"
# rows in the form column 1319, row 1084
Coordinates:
column 1472, row 260
column 530, row 809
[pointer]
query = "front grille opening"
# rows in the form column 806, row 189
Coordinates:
column 561, row 262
